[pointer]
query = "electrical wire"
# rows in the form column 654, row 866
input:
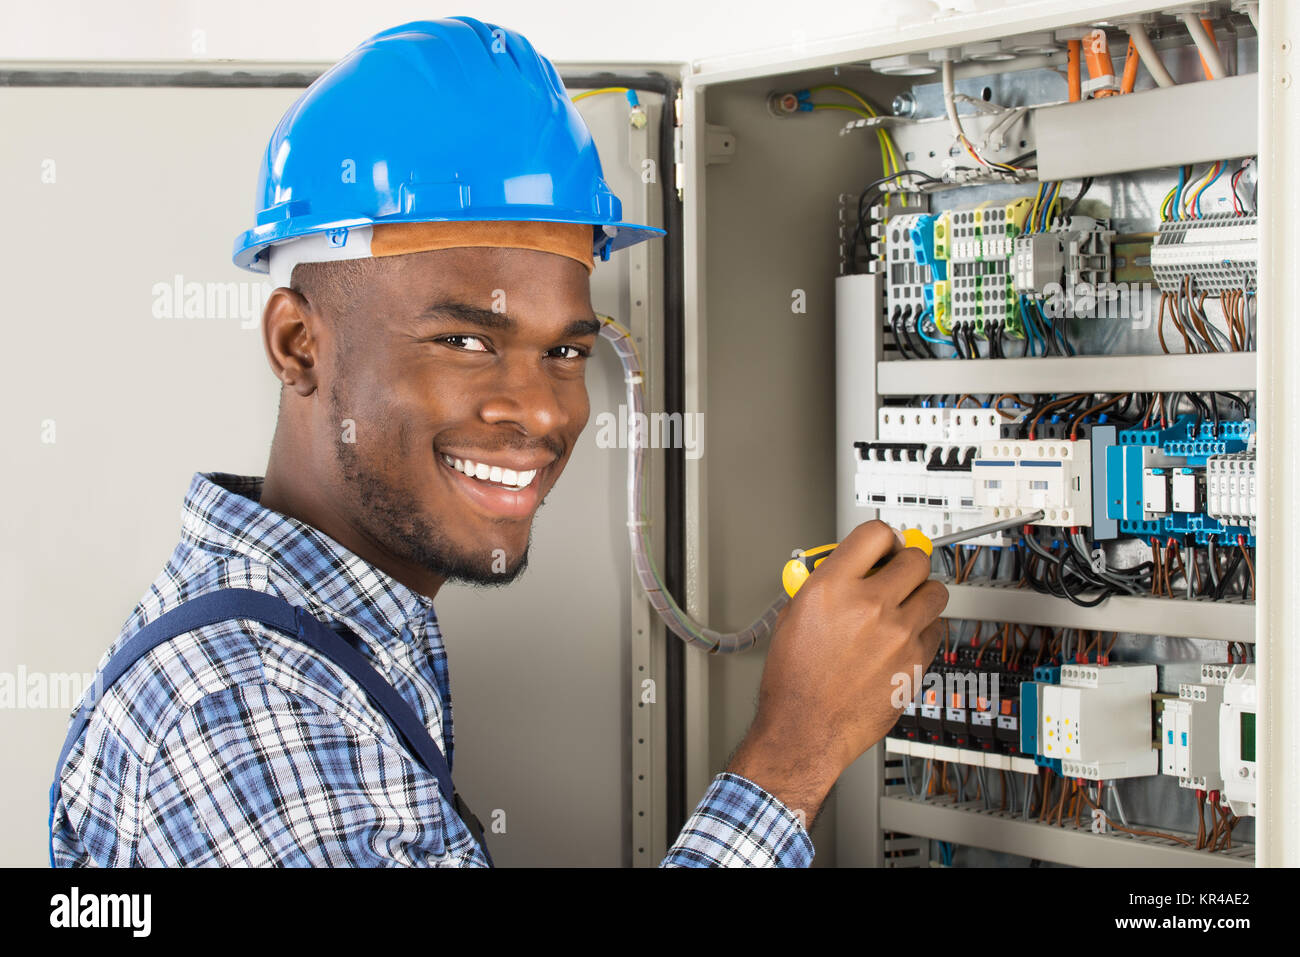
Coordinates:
column 638, row 523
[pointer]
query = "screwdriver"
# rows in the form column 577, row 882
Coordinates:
column 798, row 569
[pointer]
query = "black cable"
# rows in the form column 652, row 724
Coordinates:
column 1237, row 401
column 1233, row 567
column 1083, row 191
column 921, row 340
column 899, row 343
column 862, row 233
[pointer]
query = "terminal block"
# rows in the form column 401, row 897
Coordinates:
column 1097, row 721
column 1064, row 259
column 1219, row 251
column 906, row 277
column 1237, row 740
column 978, row 245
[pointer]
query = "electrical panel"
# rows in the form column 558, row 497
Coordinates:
column 1002, row 294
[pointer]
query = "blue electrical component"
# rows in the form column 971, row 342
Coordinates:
column 1029, row 703
column 1191, row 441
column 1029, row 691
column 923, row 249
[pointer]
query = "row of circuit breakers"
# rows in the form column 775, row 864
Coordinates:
column 979, row 267
column 1091, row 722
column 942, row 469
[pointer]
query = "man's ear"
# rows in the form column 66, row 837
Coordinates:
column 289, row 333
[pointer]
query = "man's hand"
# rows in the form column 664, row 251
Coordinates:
column 830, row 674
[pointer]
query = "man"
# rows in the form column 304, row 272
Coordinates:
column 280, row 695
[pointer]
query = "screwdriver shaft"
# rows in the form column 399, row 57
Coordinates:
column 989, row 529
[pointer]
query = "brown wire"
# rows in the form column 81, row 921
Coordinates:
column 1087, row 412
column 1033, row 427
column 1138, row 831
column 1250, row 567
column 1160, row 324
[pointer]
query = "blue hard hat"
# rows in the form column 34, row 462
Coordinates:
column 436, row 120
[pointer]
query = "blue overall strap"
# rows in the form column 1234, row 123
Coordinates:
column 274, row 612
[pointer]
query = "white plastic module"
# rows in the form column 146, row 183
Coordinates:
column 1097, row 721
column 1237, row 740
column 1230, row 488
column 968, row 756
column 938, row 425
column 917, row 475
column 1014, row 476
column 1189, row 738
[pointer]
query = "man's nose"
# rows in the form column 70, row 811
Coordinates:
column 524, row 395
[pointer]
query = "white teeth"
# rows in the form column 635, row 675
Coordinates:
column 492, row 473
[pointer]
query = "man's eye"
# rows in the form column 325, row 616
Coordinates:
column 572, row 352
column 468, row 343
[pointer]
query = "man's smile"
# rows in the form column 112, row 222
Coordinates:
column 505, row 485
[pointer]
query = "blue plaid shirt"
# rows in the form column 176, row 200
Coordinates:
column 236, row 745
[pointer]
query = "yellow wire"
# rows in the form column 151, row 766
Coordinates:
column 844, row 89
column 1195, row 191
column 1166, row 208
column 888, row 152
column 603, row 89
column 1054, row 204
column 1213, row 171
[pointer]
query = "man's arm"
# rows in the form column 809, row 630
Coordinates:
column 827, row 695
column 255, row 776
column 739, row 824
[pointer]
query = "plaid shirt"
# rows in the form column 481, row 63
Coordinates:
column 236, row 745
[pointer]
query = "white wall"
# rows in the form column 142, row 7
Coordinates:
column 574, row 30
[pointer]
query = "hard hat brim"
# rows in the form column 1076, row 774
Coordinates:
column 251, row 246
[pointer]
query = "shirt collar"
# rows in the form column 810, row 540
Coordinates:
column 223, row 515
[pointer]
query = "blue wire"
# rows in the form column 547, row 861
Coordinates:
column 1222, row 167
column 1178, row 193
column 1030, row 329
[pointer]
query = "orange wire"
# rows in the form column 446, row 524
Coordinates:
column 1130, row 68
column 1073, row 77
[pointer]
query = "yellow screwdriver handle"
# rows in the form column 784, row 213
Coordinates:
column 798, row 569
